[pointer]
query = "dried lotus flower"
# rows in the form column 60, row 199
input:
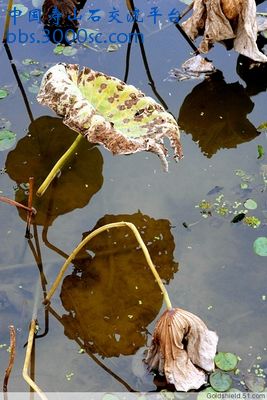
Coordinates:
column 182, row 348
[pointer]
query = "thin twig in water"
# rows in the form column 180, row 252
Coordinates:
column 12, row 333
column 25, row 374
column 16, row 204
column 29, row 214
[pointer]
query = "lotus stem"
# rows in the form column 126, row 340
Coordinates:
column 12, row 333
column 59, row 165
column 91, row 236
column 27, row 361
column 29, row 214
column 7, row 21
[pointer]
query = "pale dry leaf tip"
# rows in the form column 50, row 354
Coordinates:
column 182, row 348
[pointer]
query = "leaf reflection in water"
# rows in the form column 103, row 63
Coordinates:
column 111, row 296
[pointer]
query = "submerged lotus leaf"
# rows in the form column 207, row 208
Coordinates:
column 182, row 348
column 254, row 383
column 220, row 20
column 107, row 111
column 111, row 297
column 35, row 154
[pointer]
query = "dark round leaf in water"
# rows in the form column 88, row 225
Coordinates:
column 111, row 296
column 220, row 381
column 37, row 153
column 226, row 361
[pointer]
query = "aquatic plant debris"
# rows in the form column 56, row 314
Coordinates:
column 3, row 93
column 182, row 365
column 195, row 67
column 261, row 151
column 220, row 20
column 107, row 111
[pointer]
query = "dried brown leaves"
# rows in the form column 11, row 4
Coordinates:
column 107, row 111
column 220, row 20
column 182, row 347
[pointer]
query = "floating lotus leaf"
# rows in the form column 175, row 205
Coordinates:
column 7, row 139
column 226, row 361
column 250, row 204
column 219, row 116
column 3, row 93
column 254, row 383
column 35, row 154
column 220, row 381
column 260, row 246
column 107, row 111
column 112, row 295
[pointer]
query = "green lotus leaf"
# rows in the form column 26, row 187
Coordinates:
column 3, row 93
column 226, row 361
column 111, row 296
column 250, row 204
column 220, row 381
column 260, row 246
column 107, row 111
column 7, row 139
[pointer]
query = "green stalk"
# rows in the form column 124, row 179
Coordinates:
column 58, row 166
column 91, row 236
column 7, row 21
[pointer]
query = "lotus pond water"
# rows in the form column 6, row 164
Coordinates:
column 93, row 336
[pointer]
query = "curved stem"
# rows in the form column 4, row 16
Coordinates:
column 27, row 362
column 57, row 167
column 91, row 236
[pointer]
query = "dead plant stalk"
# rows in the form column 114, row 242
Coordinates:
column 12, row 333
column 91, row 236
